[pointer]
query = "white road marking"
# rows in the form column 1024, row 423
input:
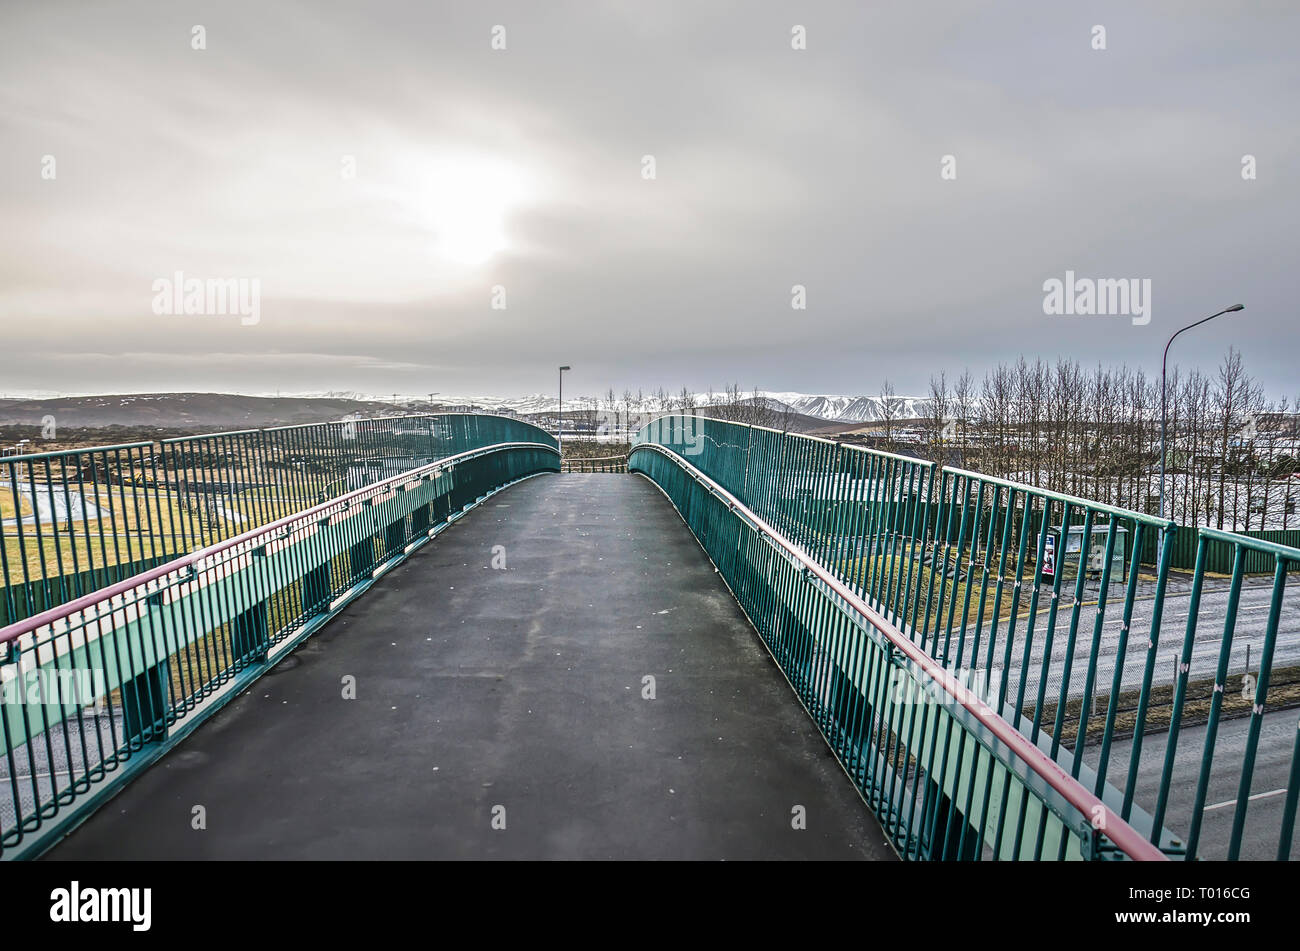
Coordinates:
column 1233, row 802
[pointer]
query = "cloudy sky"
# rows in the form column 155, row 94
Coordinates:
column 380, row 168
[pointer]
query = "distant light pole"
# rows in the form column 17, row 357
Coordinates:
column 560, row 430
column 21, row 451
column 1164, row 363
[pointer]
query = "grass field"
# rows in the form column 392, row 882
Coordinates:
column 132, row 523
column 887, row 572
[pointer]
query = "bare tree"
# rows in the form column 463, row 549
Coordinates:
column 963, row 395
column 891, row 409
column 1289, row 462
column 732, row 407
column 994, row 415
column 939, row 411
column 762, row 412
column 1270, row 463
column 1232, row 454
column 1230, row 395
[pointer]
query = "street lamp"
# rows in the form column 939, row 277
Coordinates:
column 560, row 430
column 1164, row 363
column 21, row 452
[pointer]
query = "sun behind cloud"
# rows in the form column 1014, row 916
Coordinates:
column 465, row 201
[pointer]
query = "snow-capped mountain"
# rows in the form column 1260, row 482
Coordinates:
column 857, row 409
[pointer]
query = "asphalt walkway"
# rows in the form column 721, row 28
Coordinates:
column 505, row 713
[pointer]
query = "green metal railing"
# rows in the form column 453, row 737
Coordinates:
column 948, row 778
column 94, row 690
column 1041, row 599
column 1284, row 559
column 606, row 464
column 74, row 521
column 1220, row 554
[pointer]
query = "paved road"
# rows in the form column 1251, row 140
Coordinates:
column 1267, row 791
column 1273, row 762
column 53, row 505
column 519, row 688
column 1252, row 620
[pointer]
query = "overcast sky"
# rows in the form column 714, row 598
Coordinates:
column 523, row 167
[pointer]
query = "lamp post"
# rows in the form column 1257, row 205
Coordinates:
column 560, row 429
column 1164, row 364
column 21, row 451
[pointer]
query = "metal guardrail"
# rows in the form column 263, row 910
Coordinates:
column 946, row 775
column 74, row 521
column 607, row 464
column 1285, row 559
column 1221, row 552
column 96, row 689
column 1036, row 596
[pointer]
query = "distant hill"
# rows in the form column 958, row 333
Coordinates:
column 213, row 412
column 198, row 412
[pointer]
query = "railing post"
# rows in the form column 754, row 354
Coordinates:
column 144, row 706
column 420, row 520
column 316, row 589
column 361, row 556
column 144, row 694
column 395, row 536
column 951, row 836
column 250, row 634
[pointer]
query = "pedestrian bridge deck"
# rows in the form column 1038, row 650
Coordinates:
column 521, row 688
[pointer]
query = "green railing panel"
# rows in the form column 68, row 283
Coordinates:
column 97, row 688
column 1057, row 602
column 77, row 520
column 1219, row 556
column 939, row 778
